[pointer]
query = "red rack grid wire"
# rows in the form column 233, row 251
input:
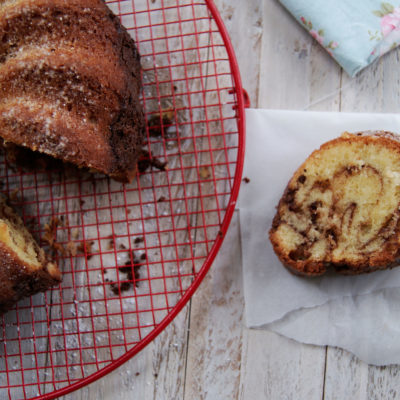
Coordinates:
column 135, row 253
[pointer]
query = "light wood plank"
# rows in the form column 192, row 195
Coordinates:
column 324, row 80
column 215, row 340
column 364, row 93
column 274, row 368
column 285, row 48
column 346, row 376
column 383, row 383
column 244, row 22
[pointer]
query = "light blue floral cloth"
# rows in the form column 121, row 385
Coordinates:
column 354, row 32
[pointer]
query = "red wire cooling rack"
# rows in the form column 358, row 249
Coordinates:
column 134, row 253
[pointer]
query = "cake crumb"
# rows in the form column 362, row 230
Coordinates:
column 111, row 243
column 59, row 248
column 71, row 248
column 86, row 247
column 132, row 271
column 157, row 122
column 204, row 173
column 14, row 195
column 50, row 233
column 146, row 161
column 30, row 222
column 122, row 287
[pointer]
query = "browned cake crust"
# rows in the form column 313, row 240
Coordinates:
column 17, row 281
column 341, row 209
column 70, row 80
column 24, row 268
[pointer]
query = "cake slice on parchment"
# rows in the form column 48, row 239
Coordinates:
column 24, row 267
column 70, row 80
column 341, row 208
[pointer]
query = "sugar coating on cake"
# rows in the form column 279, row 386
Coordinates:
column 341, row 208
column 70, row 80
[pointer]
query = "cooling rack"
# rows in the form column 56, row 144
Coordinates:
column 132, row 255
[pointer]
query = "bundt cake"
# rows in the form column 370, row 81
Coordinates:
column 341, row 209
column 69, row 84
column 24, row 268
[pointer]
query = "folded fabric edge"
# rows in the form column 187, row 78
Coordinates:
column 360, row 65
column 315, row 36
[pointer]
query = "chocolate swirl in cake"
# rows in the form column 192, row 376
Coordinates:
column 341, row 208
column 70, row 83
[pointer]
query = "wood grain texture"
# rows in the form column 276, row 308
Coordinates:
column 346, row 377
column 246, row 40
column 215, row 339
column 274, row 367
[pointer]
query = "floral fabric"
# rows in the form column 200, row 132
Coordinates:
column 354, row 32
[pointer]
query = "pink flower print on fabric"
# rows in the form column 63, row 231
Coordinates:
column 389, row 18
column 390, row 22
column 389, row 35
column 319, row 36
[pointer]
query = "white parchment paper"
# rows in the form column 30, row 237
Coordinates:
column 358, row 313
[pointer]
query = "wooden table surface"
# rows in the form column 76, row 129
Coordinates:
column 207, row 352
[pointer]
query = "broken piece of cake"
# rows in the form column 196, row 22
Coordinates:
column 24, row 267
column 341, row 208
